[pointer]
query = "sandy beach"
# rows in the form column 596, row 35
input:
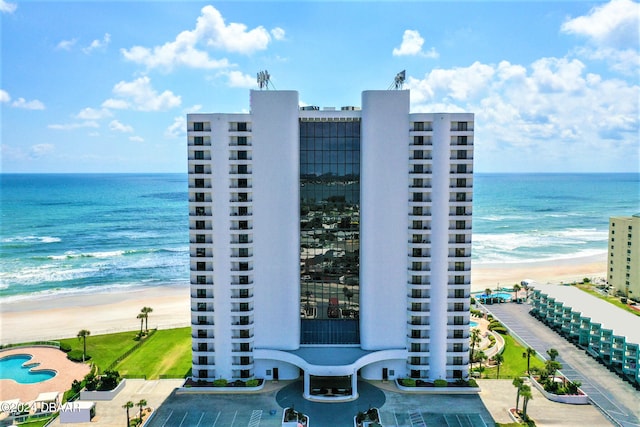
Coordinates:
column 63, row 316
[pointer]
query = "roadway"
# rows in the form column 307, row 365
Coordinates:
column 615, row 398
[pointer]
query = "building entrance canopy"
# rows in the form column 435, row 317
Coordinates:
column 324, row 361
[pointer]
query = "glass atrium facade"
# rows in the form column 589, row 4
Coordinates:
column 329, row 231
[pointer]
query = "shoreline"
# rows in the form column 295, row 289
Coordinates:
column 62, row 316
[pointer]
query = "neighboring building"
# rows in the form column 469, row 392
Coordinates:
column 607, row 332
column 332, row 242
column 624, row 256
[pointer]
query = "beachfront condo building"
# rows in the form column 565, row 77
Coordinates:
column 330, row 243
column 624, row 256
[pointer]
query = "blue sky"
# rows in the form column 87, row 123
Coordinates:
column 105, row 86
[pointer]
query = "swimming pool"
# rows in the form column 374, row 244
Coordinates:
column 499, row 295
column 17, row 369
column 473, row 324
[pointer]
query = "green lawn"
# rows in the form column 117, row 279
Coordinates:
column 105, row 349
column 514, row 364
column 167, row 353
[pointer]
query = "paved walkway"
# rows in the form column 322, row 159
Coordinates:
column 616, row 398
column 47, row 358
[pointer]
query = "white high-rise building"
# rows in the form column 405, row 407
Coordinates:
column 330, row 242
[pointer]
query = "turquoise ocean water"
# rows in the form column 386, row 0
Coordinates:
column 77, row 233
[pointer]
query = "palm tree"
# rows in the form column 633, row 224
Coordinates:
column 145, row 311
column 128, row 406
column 83, row 334
column 525, row 285
column 518, row 383
column 516, row 288
column 142, row 403
column 475, row 339
column 553, row 353
column 528, row 353
column 481, row 357
column 525, row 392
column 141, row 317
column 498, row 358
column 551, row 366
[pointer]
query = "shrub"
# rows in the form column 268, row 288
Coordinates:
column 408, row 382
column 586, row 280
column 501, row 330
column 473, row 301
column 65, row 347
column 91, row 381
column 76, row 356
column 440, row 383
column 109, row 380
column 220, row 382
column 76, row 386
column 253, row 383
column 472, row 383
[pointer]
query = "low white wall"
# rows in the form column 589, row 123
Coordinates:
column 220, row 390
column 439, row 390
column 102, row 395
column 572, row 399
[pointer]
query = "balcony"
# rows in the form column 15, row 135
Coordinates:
column 205, row 298
column 206, row 337
column 421, row 340
column 238, row 338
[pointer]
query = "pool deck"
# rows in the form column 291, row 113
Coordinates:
column 49, row 358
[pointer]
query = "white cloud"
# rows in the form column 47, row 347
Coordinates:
column 278, row 33
column 116, row 104
column 210, row 31
column 6, row 7
column 614, row 24
column 4, row 96
column 552, row 112
column 140, row 95
column 40, row 150
column 136, row 139
column 458, row 83
column 97, row 44
column 28, row 105
column 178, row 129
column 115, row 125
column 93, row 114
column 612, row 32
column 238, row 79
column 66, row 44
column 71, row 126
column 411, row 45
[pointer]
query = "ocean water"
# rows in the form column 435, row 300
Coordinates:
column 78, row 233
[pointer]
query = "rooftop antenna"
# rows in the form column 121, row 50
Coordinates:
column 264, row 80
column 398, row 81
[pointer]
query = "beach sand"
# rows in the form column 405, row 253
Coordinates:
column 63, row 316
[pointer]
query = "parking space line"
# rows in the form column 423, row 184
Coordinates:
column 185, row 416
column 216, row 420
column 167, row 420
column 200, row 420
column 234, row 418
